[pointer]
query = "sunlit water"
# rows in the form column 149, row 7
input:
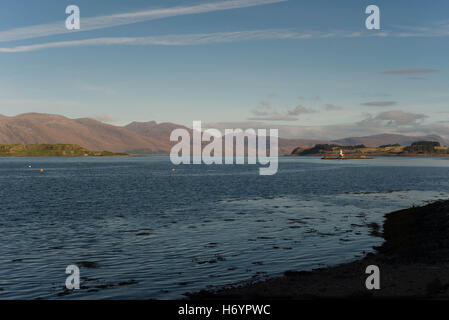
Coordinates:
column 138, row 230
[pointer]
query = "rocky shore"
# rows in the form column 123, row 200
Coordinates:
column 413, row 263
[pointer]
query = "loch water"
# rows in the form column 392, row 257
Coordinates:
column 139, row 230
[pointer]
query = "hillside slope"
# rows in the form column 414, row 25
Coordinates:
column 36, row 128
column 143, row 137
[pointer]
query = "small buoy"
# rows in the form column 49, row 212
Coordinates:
column 29, row 166
column 173, row 170
column 42, row 170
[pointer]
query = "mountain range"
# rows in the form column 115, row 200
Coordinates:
column 143, row 137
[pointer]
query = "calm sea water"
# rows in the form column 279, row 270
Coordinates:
column 138, row 230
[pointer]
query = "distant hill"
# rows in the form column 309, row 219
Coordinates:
column 143, row 137
column 384, row 139
column 37, row 128
column 287, row 145
column 154, row 130
column 163, row 130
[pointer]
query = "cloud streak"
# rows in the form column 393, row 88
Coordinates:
column 395, row 122
column 298, row 110
column 400, row 118
column 173, row 40
column 265, row 112
column 379, row 103
column 107, row 21
column 393, row 118
column 273, row 117
column 188, row 39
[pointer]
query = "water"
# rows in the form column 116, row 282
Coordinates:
column 138, row 230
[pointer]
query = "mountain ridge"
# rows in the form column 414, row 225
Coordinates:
column 149, row 137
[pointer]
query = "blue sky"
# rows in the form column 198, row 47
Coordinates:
column 308, row 67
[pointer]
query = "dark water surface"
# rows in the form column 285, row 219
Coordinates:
column 138, row 230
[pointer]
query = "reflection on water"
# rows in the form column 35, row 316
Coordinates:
column 138, row 230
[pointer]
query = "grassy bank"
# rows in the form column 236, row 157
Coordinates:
column 420, row 148
column 51, row 150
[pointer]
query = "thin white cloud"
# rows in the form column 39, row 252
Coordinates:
column 398, row 118
column 343, row 130
column 210, row 38
column 298, row 110
column 106, row 21
column 379, row 103
column 177, row 39
column 437, row 29
column 273, row 117
column 265, row 112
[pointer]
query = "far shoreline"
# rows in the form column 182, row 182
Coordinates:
column 52, row 150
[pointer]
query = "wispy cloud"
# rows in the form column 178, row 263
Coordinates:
column 379, row 103
column 191, row 39
column 273, row 117
column 174, row 40
column 265, row 112
column 397, row 122
column 436, row 29
column 394, row 118
column 106, row 21
column 398, row 117
column 299, row 110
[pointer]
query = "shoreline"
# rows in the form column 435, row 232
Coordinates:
column 138, row 155
column 60, row 156
column 413, row 263
column 376, row 156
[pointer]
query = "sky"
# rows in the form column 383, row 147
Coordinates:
column 309, row 68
